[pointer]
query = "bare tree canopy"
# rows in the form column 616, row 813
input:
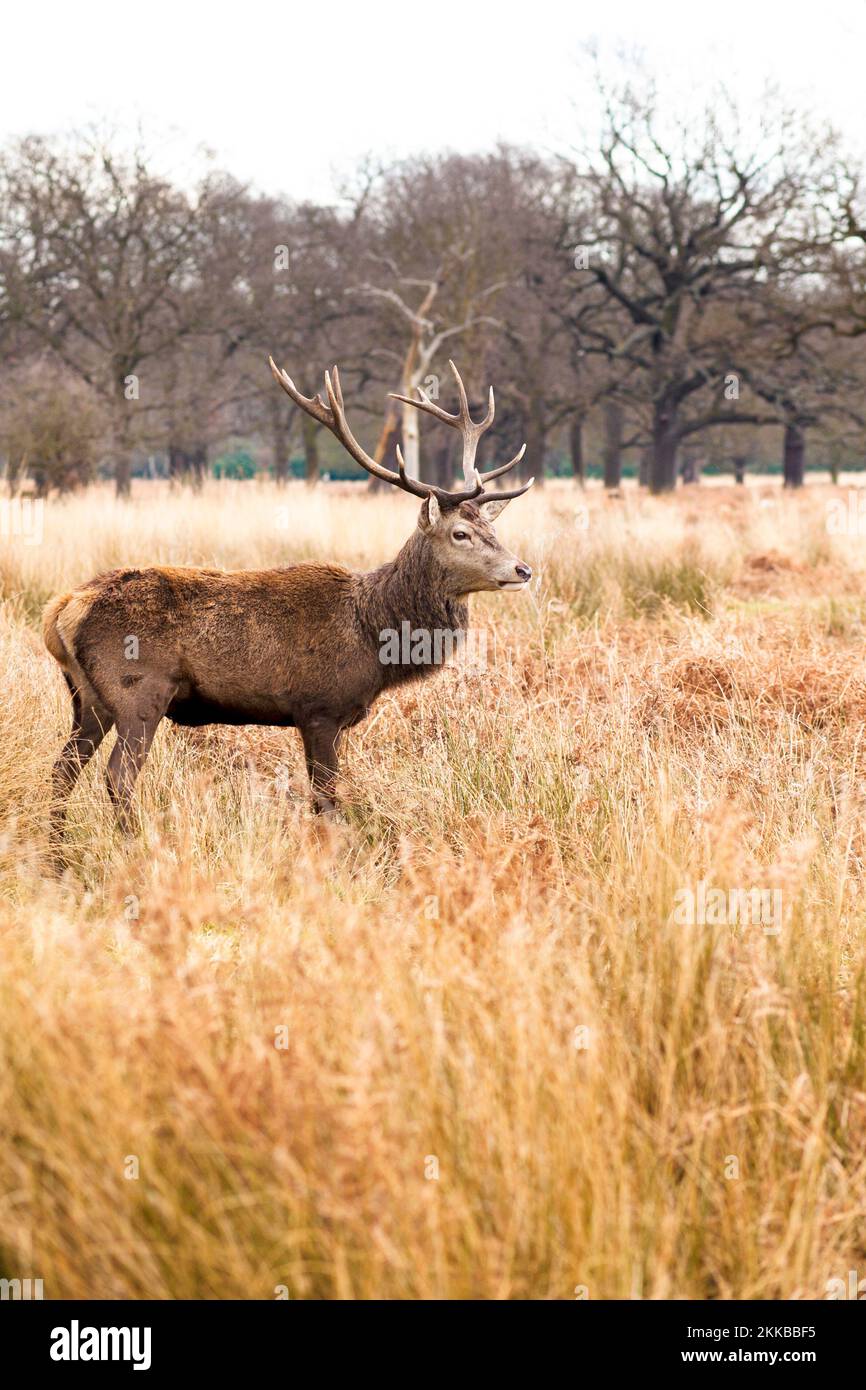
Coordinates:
column 677, row 288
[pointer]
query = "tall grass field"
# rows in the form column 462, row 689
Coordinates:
column 513, row 1027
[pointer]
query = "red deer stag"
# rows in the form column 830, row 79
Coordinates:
column 299, row 645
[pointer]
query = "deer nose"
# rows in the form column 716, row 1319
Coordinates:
column 523, row 571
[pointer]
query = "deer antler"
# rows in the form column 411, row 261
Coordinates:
column 462, row 421
column 471, row 431
column 333, row 417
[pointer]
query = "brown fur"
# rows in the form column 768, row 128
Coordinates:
column 296, row 646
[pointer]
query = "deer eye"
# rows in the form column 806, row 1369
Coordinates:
column 460, row 536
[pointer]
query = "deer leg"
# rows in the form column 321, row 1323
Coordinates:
column 321, row 738
column 91, row 721
column 135, row 731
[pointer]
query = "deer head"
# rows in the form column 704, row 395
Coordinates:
column 457, row 525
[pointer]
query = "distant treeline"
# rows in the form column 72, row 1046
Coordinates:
column 681, row 298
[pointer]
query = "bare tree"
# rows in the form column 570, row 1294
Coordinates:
column 99, row 256
column 684, row 227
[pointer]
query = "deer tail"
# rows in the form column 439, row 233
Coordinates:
column 50, row 631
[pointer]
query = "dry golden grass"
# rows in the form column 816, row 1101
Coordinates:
column 481, row 970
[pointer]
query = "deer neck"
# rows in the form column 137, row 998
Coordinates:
column 413, row 589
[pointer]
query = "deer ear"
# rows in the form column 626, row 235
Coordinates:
column 491, row 510
column 430, row 513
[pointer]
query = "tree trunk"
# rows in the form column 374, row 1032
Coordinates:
column 691, row 466
column 575, row 442
column 794, row 456
column 389, row 437
column 198, row 461
column 612, row 445
column 280, row 445
column 663, row 460
column 411, row 442
column 123, row 458
column 643, row 468
column 311, row 448
column 740, row 470
column 532, row 464
column 413, row 372
column 443, row 466
column 123, row 476
column 187, row 465
column 122, row 429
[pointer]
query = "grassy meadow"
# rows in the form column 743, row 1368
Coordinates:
column 458, row 1044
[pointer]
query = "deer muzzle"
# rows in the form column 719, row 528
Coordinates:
column 522, row 575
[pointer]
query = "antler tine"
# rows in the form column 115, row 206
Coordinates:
column 313, row 405
column 503, row 467
column 484, row 424
column 505, row 496
column 333, row 417
column 463, row 413
column 469, row 428
column 427, row 405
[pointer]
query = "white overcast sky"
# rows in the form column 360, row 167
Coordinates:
column 287, row 95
